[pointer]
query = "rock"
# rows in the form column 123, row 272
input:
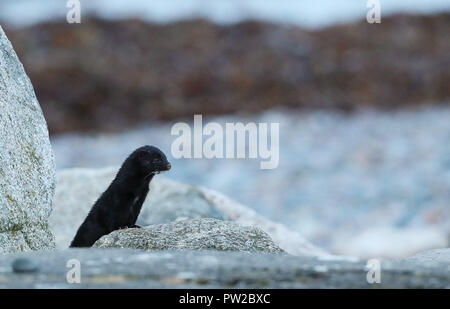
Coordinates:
column 78, row 189
column 194, row 234
column 431, row 257
column 76, row 192
column 127, row 268
column 27, row 170
column 25, row 265
column 402, row 242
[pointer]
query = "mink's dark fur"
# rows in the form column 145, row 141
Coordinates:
column 119, row 206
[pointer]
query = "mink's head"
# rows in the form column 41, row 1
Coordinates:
column 150, row 160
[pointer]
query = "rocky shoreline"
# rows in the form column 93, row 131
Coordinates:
column 246, row 250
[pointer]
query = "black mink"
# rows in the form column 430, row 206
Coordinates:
column 119, row 206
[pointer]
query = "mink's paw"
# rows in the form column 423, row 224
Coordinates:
column 136, row 226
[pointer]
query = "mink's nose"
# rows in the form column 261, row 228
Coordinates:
column 168, row 166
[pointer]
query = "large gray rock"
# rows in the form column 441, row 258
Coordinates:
column 128, row 268
column 78, row 189
column 193, row 234
column 27, row 168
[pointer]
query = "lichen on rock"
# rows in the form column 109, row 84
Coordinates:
column 27, row 167
column 192, row 234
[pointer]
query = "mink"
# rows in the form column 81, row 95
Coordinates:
column 119, row 206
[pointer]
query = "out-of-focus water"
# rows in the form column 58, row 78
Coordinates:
column 338, row 178
column 301, row 12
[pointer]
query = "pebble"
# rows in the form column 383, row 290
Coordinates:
column 25, row 265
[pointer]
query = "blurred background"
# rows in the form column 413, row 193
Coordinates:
column 363, row 108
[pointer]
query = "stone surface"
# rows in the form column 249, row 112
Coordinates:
column 27, row 168
column 433, row 257
column 193, row 234
column 78, row 189
column 126, row 268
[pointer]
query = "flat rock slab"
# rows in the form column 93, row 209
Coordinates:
column 127, row 268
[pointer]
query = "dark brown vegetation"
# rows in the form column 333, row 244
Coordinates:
column 109, row 75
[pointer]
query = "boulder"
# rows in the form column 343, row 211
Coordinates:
column 192, row 234
column 27, row 167
column 78, row 189
column 431, row 257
